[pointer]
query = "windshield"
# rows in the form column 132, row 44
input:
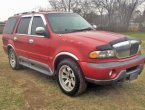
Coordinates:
column 68, row 22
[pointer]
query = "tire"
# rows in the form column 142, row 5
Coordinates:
column 13, row 61
column 70, row 78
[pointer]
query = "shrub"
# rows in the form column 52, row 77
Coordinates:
column 134, row 27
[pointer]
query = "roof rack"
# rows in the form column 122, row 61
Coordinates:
column 31, row 12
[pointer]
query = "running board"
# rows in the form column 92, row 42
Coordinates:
column 35, row 65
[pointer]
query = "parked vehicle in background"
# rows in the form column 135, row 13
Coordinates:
column 66, row 45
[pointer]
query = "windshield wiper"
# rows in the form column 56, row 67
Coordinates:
column 79, row 30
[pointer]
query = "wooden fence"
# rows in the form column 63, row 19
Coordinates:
column 2, row 27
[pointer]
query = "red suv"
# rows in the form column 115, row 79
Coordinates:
column 66, row 45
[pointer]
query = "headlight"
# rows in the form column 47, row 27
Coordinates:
column 102, row 54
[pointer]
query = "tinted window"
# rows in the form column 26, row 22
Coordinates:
column 37, row 22
column 10, row 25
column 67, row 22
column 24, row 25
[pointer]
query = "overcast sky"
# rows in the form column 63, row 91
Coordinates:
column 11, row 7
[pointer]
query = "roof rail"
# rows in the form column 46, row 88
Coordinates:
column 31, row 12
column 47, row 10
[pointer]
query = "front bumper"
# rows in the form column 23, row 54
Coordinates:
column 122, row 76
column 126, row 70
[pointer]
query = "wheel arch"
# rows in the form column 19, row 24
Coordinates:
column 63, row 55
column 9, row 46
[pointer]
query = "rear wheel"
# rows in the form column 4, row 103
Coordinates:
column 70, row 78
column 13, row 61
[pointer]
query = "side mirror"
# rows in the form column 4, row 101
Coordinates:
column 95, row 26
column 41, row 31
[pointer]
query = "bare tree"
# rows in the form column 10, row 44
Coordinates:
column 65, row 5
column 113, row 15
column 100, row 10
column 140, row 19
column 118, row 12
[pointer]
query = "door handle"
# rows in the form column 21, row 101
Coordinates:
column 15, row 38
column 31, row 41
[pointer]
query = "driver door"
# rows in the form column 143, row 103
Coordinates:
column 39, row 45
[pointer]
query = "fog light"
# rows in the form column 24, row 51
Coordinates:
column 112, row 74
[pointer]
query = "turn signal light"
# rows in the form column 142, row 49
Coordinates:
column 93, row 55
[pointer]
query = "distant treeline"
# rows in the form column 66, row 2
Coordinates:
column 110, row 15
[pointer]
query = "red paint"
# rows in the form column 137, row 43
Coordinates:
column 79, row 44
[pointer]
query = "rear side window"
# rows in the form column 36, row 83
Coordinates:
column 37, row 22
column 23, row 25
column 10, row 25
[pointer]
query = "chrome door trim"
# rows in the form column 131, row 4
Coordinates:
column 30, row 24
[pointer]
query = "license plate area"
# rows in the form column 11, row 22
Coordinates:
column 133, row 76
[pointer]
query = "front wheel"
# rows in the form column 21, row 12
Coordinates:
column 70, row 78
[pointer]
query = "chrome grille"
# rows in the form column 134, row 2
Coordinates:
column 127, row 48
column 134, row 48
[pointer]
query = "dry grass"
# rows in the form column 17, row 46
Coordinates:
column 29, row 90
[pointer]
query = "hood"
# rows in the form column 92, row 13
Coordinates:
column 100, row 36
